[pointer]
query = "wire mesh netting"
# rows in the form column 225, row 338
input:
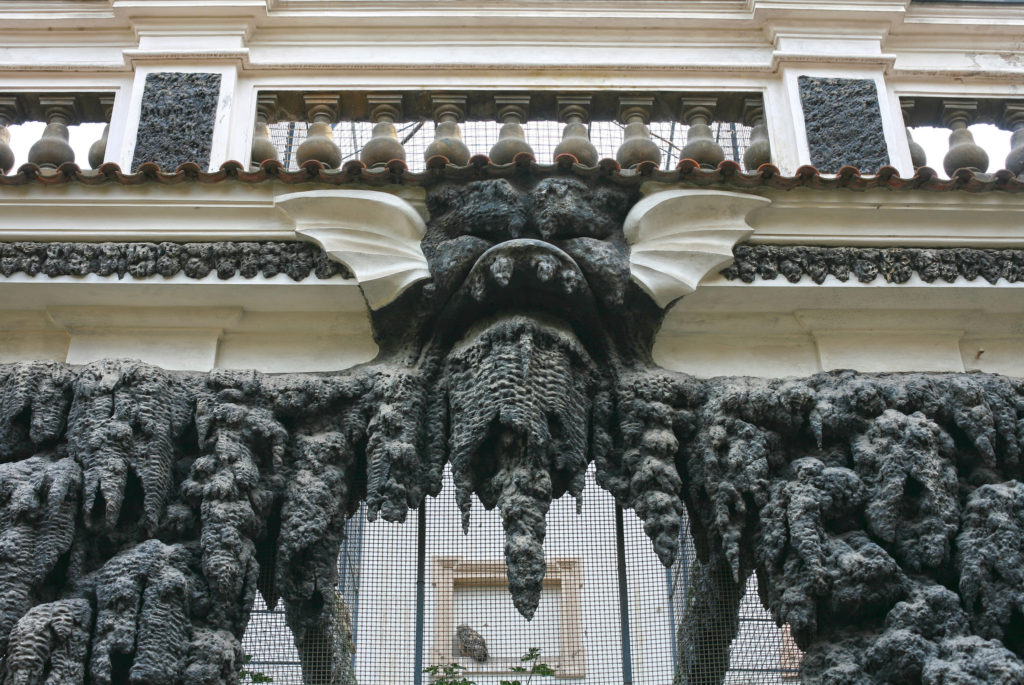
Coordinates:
column 479, row 136
column 419, row 600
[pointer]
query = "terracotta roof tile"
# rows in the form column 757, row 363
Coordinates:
column 728, row 174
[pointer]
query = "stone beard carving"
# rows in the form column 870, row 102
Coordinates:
column 141, row 510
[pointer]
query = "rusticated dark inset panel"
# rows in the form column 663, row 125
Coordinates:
column 866, row 264
column 295, row 259
column 176, row 123
column 844, row 124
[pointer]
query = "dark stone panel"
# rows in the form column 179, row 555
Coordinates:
column 844, row 124
column 866, row 264
column 298, row 260
column 176, row 124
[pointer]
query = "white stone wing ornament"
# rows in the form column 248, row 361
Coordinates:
column 374, row 233
column 677, row 237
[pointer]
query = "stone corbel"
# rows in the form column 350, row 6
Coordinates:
column 677, row 237
column 375, row 234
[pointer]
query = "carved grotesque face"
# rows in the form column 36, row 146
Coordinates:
column 521, row 341
column 556, row 249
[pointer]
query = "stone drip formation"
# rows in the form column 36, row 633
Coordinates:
column 141, row 510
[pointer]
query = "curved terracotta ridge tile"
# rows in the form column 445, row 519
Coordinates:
column 728, row 174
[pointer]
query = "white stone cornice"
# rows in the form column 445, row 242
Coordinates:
column 238, row 211
column 882, row 218
column 677, row 237
column 183, row 338
column 376, row 235
column 174, row 58
column 882, row 62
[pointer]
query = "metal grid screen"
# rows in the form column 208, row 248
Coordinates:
column 479, row 136
column 422, row 600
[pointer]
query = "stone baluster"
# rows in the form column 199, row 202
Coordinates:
column 574, row 111
column 383, row 145
column 8, row 116
column 98, row 150
column 760, row 151
column 319, row 145
column 637, row 145
column 53, row 149
column 1013, row 119
column 917, row 154
column 701, row 147
column 512, row 111
column 963, row 153
column 262, row 146
column 449, row 111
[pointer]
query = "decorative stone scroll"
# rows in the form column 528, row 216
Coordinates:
column 375, row 234
column 882, row 514
column 677, row 237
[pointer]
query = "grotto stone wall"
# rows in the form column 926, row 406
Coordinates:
column 882, row 514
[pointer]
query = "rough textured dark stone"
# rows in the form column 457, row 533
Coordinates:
column 297, row 260
column 847, row 495
column 882, row 514
column 301, row 260
column 146, row 499
column 843, row 124
column 866, row 264
column 176, row 123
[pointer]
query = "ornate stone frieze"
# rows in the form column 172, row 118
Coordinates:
column 301, row 260
column 867, row 264
column 297, row 260
column 882, row 514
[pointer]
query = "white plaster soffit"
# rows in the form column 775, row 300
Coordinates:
column 375, row 234
column 677, row 237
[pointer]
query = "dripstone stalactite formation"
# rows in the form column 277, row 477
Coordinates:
column 883, row 515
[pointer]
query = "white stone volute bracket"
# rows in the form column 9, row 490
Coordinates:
column 375, row 234
column 679, row 236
